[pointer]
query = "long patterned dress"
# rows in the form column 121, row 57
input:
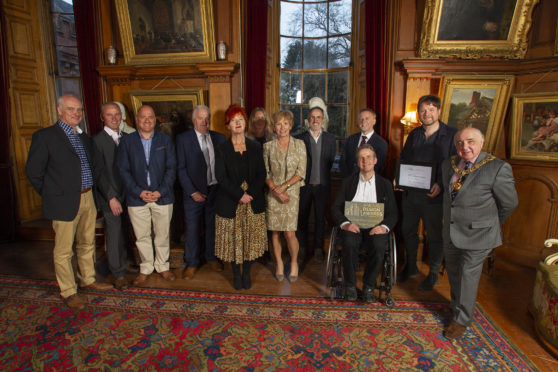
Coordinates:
column 280, row 167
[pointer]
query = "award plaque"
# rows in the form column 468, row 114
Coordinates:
column 364, row 215
column 415, row 175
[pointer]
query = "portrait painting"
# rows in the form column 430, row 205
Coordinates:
column 173, row 109
column 166, row 31
column 477, row 101
column 476, row 28
column 534, row 128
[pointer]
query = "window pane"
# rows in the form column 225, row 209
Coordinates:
column 340, row 17
column 337, row 87
column 289, row 87
column 64, row 30
column 68, row 63
column 339, row 51
column 68, row 86
column 291, row 53
column 315, row 53
column 62, row 6
column 337, row 120
column 314, row 86
column 291, row 19
column 315, row 20
column 297, row 117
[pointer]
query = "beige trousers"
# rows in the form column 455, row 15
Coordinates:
column 142, row 218
column 81, row 230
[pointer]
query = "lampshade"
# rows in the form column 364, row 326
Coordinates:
column 410, row 118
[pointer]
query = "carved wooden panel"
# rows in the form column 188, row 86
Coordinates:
column 27, row 104
column 24, row 74
column 22, row 5
column 21, row 43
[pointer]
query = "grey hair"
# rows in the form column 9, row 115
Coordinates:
column 476, row 130
column 200, row 107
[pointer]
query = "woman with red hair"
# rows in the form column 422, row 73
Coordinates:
column 240, row 229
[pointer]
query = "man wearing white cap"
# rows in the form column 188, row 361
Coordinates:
column 320, row 150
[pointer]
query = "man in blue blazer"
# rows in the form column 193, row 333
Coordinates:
column 196, row 172
column 366, row 122
column 320, row 150
column 63, row 166
column 365, row 186
column 147, row 164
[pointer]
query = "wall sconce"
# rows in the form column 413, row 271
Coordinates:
column 409, row 120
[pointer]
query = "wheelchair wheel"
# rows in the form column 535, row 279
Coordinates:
column 334, row 271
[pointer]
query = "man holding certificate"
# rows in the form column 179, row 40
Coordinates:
column 425, row 149
column 372, row 195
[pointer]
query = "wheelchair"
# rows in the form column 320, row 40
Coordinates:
column 334, row 268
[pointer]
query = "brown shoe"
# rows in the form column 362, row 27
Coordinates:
column 74, row 302
column 189, row 273
column 98, row 286
column 167, row 275
column 454, row 330
column 216, row 266
column 141, row 278
column 121, row 283
column 445, row 312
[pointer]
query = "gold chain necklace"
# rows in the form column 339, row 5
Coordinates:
column 462, row 172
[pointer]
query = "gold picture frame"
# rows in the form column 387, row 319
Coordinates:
column 534, row 127
column 166, row 32
column 471, row 30
column 173, row 108
column 478, row 101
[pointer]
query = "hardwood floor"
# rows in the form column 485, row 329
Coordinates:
column 504, row 295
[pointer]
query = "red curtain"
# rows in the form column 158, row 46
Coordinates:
column 256, row 50
column 7, row 191
column 86, row 34
column 376, row 84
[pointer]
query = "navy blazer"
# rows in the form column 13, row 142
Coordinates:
column 54, row 170
column 192, row 170
column 384, row 194
column 348, row 162
column 327, row 155
column 229, row 175
column 133, row 167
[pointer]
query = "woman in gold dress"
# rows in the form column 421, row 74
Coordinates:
column 240, row 229
column 285, row 163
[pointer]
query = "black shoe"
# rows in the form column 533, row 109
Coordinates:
column 428, row 283
column 368, row 295
column 406, row 274
column 246, row 281
column 237, row 277
column 350, row 294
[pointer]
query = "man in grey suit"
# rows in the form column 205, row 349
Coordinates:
column 110, row 200
column 479, row 194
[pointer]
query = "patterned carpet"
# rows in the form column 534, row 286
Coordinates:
column 150, row 329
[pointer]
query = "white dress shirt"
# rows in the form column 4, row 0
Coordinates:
column 365, row 193
column 113, row 134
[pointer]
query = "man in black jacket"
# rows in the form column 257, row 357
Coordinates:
column 366, row 187
column 63, row 166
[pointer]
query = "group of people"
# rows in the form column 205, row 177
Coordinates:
column 246, row 189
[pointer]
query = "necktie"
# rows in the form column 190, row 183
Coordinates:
column 205, row 151
column 362, row 141
column 461, row 180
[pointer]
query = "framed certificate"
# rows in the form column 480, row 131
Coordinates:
column 415, row 175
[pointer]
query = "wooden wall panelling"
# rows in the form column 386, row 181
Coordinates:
column 543, row 29
column 29, row 93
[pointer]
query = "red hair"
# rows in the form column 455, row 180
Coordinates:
column 234, row 110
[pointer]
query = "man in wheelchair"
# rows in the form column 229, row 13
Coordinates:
column 366, row 187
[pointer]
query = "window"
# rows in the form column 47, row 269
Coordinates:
column 315, row 59
column 66, row 62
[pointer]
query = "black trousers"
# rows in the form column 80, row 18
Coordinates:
column 375, row 246
column 116, row 241
column 319, row 194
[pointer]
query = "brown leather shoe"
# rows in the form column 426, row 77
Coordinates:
column 189, row 273
column 445, row 312
column 141, row 278
column 454, row 330
column 167, row 275
column 216, row 266
column 74, row 302
column 98, row 286
column 121, row 283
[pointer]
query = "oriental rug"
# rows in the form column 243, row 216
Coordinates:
column 151, row 329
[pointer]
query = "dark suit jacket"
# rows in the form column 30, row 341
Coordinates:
column 54, row 169
column 192, row 170
column 133, row 168
column 472, row 220
column 107, row 149
column 348, row 163
column 228, row 172
column 326, row 158
column 384, row 194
